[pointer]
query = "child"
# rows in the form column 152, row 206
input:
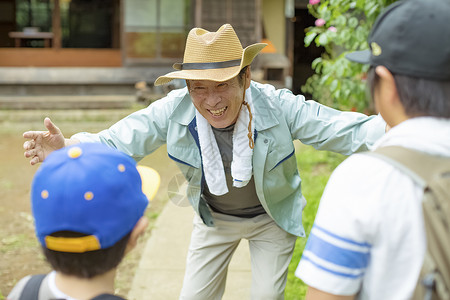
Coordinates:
column 88, row 206
column 368, row 239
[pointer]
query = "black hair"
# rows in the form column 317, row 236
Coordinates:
column 419, row 96
column 88, row 264
column 241, row 75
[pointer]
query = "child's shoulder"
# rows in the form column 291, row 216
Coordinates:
column 18, row 288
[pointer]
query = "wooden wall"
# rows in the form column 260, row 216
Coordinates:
column 49, row 57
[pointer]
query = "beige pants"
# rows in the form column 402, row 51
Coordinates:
column 211, row 249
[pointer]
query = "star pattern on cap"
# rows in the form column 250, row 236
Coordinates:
column 44, row 194
column 89, row 196
column 74, row 152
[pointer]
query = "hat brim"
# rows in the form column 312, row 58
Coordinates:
column 362, row 57
column 221, row 74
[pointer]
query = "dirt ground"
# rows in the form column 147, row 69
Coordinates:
column 19, row 250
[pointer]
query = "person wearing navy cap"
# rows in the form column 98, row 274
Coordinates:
column 369, row 240
column 88, row 205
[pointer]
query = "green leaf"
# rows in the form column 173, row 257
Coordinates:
column 340, row 70
column 340, row 21
column 353, row 22
column 371, row 8
column 322, row 40
column 323, row 8
column 324, row 78
column 334, row 85
column 316, row 62
column 337, row 93
column 346, row 92
column 346, row 34
column 360, row 4
column 310, row 36
column 361, row 34
column 326, row 15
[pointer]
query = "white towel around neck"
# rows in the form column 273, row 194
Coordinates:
column 241, row 166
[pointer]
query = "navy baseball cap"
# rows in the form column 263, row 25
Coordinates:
column 90, row 189
column 411, row 37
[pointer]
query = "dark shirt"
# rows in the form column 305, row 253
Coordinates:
column 241, row 202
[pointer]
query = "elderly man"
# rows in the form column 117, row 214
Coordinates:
column 232, row 139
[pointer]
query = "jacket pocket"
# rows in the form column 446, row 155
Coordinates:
column 281, row 179
column 277, row 156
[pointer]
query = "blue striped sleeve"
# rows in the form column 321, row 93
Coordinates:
column 335, row 254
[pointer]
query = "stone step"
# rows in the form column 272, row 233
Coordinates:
column 67, row 102
column 37, row 89
column 57, row 81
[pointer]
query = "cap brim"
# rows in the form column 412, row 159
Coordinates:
column 150, row 181
column 362, row 57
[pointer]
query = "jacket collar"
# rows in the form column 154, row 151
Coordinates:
column 264, row 111
column 184, row 111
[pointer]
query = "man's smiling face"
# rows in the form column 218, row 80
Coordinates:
column 219, row 102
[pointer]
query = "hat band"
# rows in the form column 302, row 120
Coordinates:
column 214, row 65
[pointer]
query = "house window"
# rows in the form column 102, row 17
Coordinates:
column 90, row 23
column 156, row 30
column 29, row 15
column 82, row 23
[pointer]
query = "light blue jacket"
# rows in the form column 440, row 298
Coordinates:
column 280, row 117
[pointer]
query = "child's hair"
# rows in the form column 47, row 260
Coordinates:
column 419, row 96
column 88, row 264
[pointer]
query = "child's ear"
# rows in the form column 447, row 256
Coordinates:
column 387, row 78
column 137, row 231
column 389, row 104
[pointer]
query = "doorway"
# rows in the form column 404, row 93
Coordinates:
column 303, row 56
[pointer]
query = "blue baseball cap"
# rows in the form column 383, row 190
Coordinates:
column 89, row 189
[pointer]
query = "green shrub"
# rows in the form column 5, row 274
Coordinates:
column 341, row 26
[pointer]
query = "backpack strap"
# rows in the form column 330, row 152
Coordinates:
column 432, row 173
column 107, row 297
column 420, row 166
column 429, row 171
column 31, row 288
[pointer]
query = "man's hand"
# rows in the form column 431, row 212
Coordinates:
column 42, row 143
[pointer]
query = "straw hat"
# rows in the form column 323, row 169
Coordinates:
column 216, row 56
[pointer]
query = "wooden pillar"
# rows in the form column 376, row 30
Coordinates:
column 290, row 22
column 198, row 13
column 258, row 21
column 229, row 13
column 123, row 43
column 56, row 25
